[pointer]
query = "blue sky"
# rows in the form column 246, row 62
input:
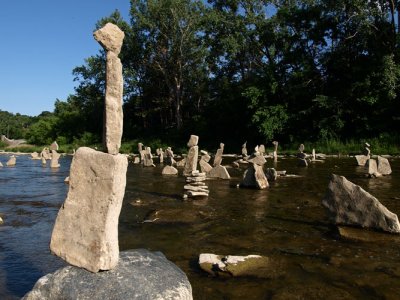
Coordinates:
column 41, row 42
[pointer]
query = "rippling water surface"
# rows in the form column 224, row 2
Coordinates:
column 285, row 222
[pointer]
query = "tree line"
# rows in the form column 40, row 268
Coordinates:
column 237, row 70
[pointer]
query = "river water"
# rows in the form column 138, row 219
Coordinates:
column 285, row 222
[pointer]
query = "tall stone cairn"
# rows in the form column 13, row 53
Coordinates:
column 219, row 171
column 110, row 38
column 85, row 233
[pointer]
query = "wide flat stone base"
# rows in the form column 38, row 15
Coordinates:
column 140, row 274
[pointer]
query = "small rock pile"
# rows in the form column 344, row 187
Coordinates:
column 195, row 186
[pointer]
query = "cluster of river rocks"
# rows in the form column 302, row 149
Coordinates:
column 85, row 233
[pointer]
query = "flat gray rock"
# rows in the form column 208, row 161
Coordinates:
column 349, row 204
column 140, row 274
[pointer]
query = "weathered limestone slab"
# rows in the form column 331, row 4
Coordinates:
column 140, row 274
column 11, row 161
column 169, row 170
column 148, row 158
column 181, row 163
column 169, row 157
column 244, row 149
column 257, row 159
column 372, row 168
column 204, row 166
column 384, row 166
column 35, row 155
column 191, row 160
column 54, row 146
column 86, row 230
column 111, row 37
column 54, row 159
column 219, row 172
column 261, row 149
column 349, row 204
column 218, row 155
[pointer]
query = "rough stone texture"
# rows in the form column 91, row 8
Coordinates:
column 110, row 37
column 238, row 266
column 254, row 177
column 244, row 150
column 45, row 153
column 140, row 274
column 181, row 163
column 219, row 172
column 361, row 159
column 169, row 157
column 384, row 166
column 148, row 158
column 191, row 161
column 54, row 159
column 113, row 115
column 54, row 146
column 11, row 161
column 204, row 166
column 257, row 159
column 261, row 149
column 372, row 168
column 193, row 141
column 35, row 155
column 349, row 204
column 85, row 233
column 169, row 170
column 218, row 156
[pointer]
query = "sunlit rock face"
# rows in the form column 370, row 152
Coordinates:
column 348, row 204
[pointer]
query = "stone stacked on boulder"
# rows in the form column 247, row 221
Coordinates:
column 254, row 176
column 349, row 204
column 195, row 186
column 219, row 171
column 85, row 233
column 169, row 169
column 54, row 159
column 363, row 158
column 142, row 153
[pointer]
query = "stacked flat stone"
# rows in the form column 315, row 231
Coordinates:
column 195, row 186
column 254, row 176
column 363, row 158
column 204, row 159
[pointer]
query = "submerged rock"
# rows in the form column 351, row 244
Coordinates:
column 349, row 204
column 140, row 274
column 238, row 266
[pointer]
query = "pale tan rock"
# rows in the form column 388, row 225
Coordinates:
column 113, row 124
column 35, row 155
column 110, row 37
column 349, row 204
column 372, row 168
column 86, row 230
column 361, row 159
column 219, row 172
column 254, row 177
column 218, row 155
column 54, row 159
column 54, row 146
column 384, row 166
column 11, row 161
column 44, row 161
column 244, row 150
column 204, row 166
column 169, row 170
column 261, row 149
column 45, row 153
column 181, row 163
column 191, row 161
column 193, row 141
column 1, row 164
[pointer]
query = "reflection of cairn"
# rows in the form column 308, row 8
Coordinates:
column 275, row 153
column 195, row 186
column 169, row 169
column 219, row 171
column 363, row 158
column 204, row 159
column 302, row 157
column 254, row 176
column 85, row 233
column 148, row 158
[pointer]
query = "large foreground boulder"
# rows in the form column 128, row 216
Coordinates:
column 140, row 274
column 349, row 204
column 86, row 230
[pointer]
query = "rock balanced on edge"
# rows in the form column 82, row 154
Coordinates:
column 85, row 233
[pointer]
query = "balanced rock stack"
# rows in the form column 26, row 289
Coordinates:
column 148, row 158
column 86, row 230
column 204, row 159
column 302, row 161
column 219, row 171
column 254, row 176
column 195, row 186
column 363, row 158
column 169, row 169
column 54, row 159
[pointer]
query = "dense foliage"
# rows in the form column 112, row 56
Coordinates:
column 244, row 70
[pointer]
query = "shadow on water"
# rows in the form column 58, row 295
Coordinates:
column 285, row 222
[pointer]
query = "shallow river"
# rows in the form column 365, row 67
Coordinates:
column 285, row 222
